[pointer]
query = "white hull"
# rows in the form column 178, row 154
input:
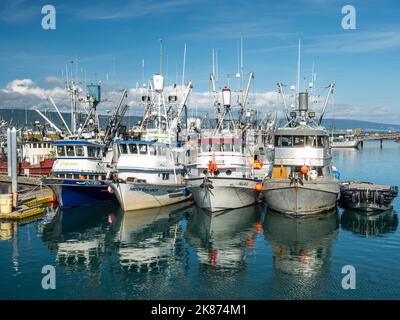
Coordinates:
column 227, row 193
column 137, row 196
column 345, row 144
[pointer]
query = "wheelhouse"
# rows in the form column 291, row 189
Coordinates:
column 78, row 149
column 300, row 151
column 228, row 144
column 142, row 148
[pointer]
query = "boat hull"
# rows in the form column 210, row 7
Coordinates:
column 345, row 144
column 227, row 193
column 307, row 199
column 76, row 193
column 138, row 196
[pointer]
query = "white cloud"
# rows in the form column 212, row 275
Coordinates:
column 53, row 80
column 22, row 93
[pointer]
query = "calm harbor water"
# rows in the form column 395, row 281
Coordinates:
column 181, row 252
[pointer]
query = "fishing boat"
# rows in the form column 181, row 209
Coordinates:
column 220, row 176
column 149, row 171
column 348, row 140
column 303, row 182
column 78, row 174
column 83, row 160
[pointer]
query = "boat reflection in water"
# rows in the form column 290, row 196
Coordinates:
column 147, row 239
column 301, row 251
column 79, row 236
column 223, row 239
column 369, row 225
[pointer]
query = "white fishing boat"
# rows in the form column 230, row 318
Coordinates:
column 348, row 140
column 220, row 174
column 149, row 171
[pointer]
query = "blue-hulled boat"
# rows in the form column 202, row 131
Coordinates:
column 78, row 174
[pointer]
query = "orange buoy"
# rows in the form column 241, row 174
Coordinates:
column 304, row 169
column 110, row 190
column 81, row 177
column 259, row 187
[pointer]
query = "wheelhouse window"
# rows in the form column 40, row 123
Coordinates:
column 321, row 141
column 278, row 141
column 143, row 148
column 123, row 149
column 133, row 149
column 91, row 152
column 298, row 141
column 60, row 151
column 287, row 141
column 161, row 151
column 152, row 150
column 70, row 151
column 311, row 141
column 227, row 147
column 79, row 151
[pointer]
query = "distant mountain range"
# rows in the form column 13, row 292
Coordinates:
column 19, row 118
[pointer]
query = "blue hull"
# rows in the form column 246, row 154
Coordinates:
column 77, row 193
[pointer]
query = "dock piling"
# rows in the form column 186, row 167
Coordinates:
column 14, row 165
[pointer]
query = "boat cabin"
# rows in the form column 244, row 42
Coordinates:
column 78, row 149
column 301, row 150
column 79, row 159
column 142, row 148
column 220, row 145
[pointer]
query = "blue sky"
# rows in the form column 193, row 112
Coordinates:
column 113, row 36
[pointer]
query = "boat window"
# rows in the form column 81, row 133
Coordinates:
column 321, row 141
column 143, row 148
column 278, row 141
column 79, row 151
column 237, row 147
column 311, row 141
column 298, row 141
column 98, row 152
column 133, row 148
column 161, row 151
column 152, row 150
column 34, row 145
column 227, row 147
column 165, row 176
column 91, row 152
column 287, row 141
column 123, row 148
column 70, row 151
column 60, row 151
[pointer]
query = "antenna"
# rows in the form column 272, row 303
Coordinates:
column 241, row 57
column 161, row 56
column 216, row 62
column 298, row 68
column 213, row 61
column 184, row 65
column 143, row 71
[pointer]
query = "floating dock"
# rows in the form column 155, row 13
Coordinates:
column 32, row 203
column 366, row 196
